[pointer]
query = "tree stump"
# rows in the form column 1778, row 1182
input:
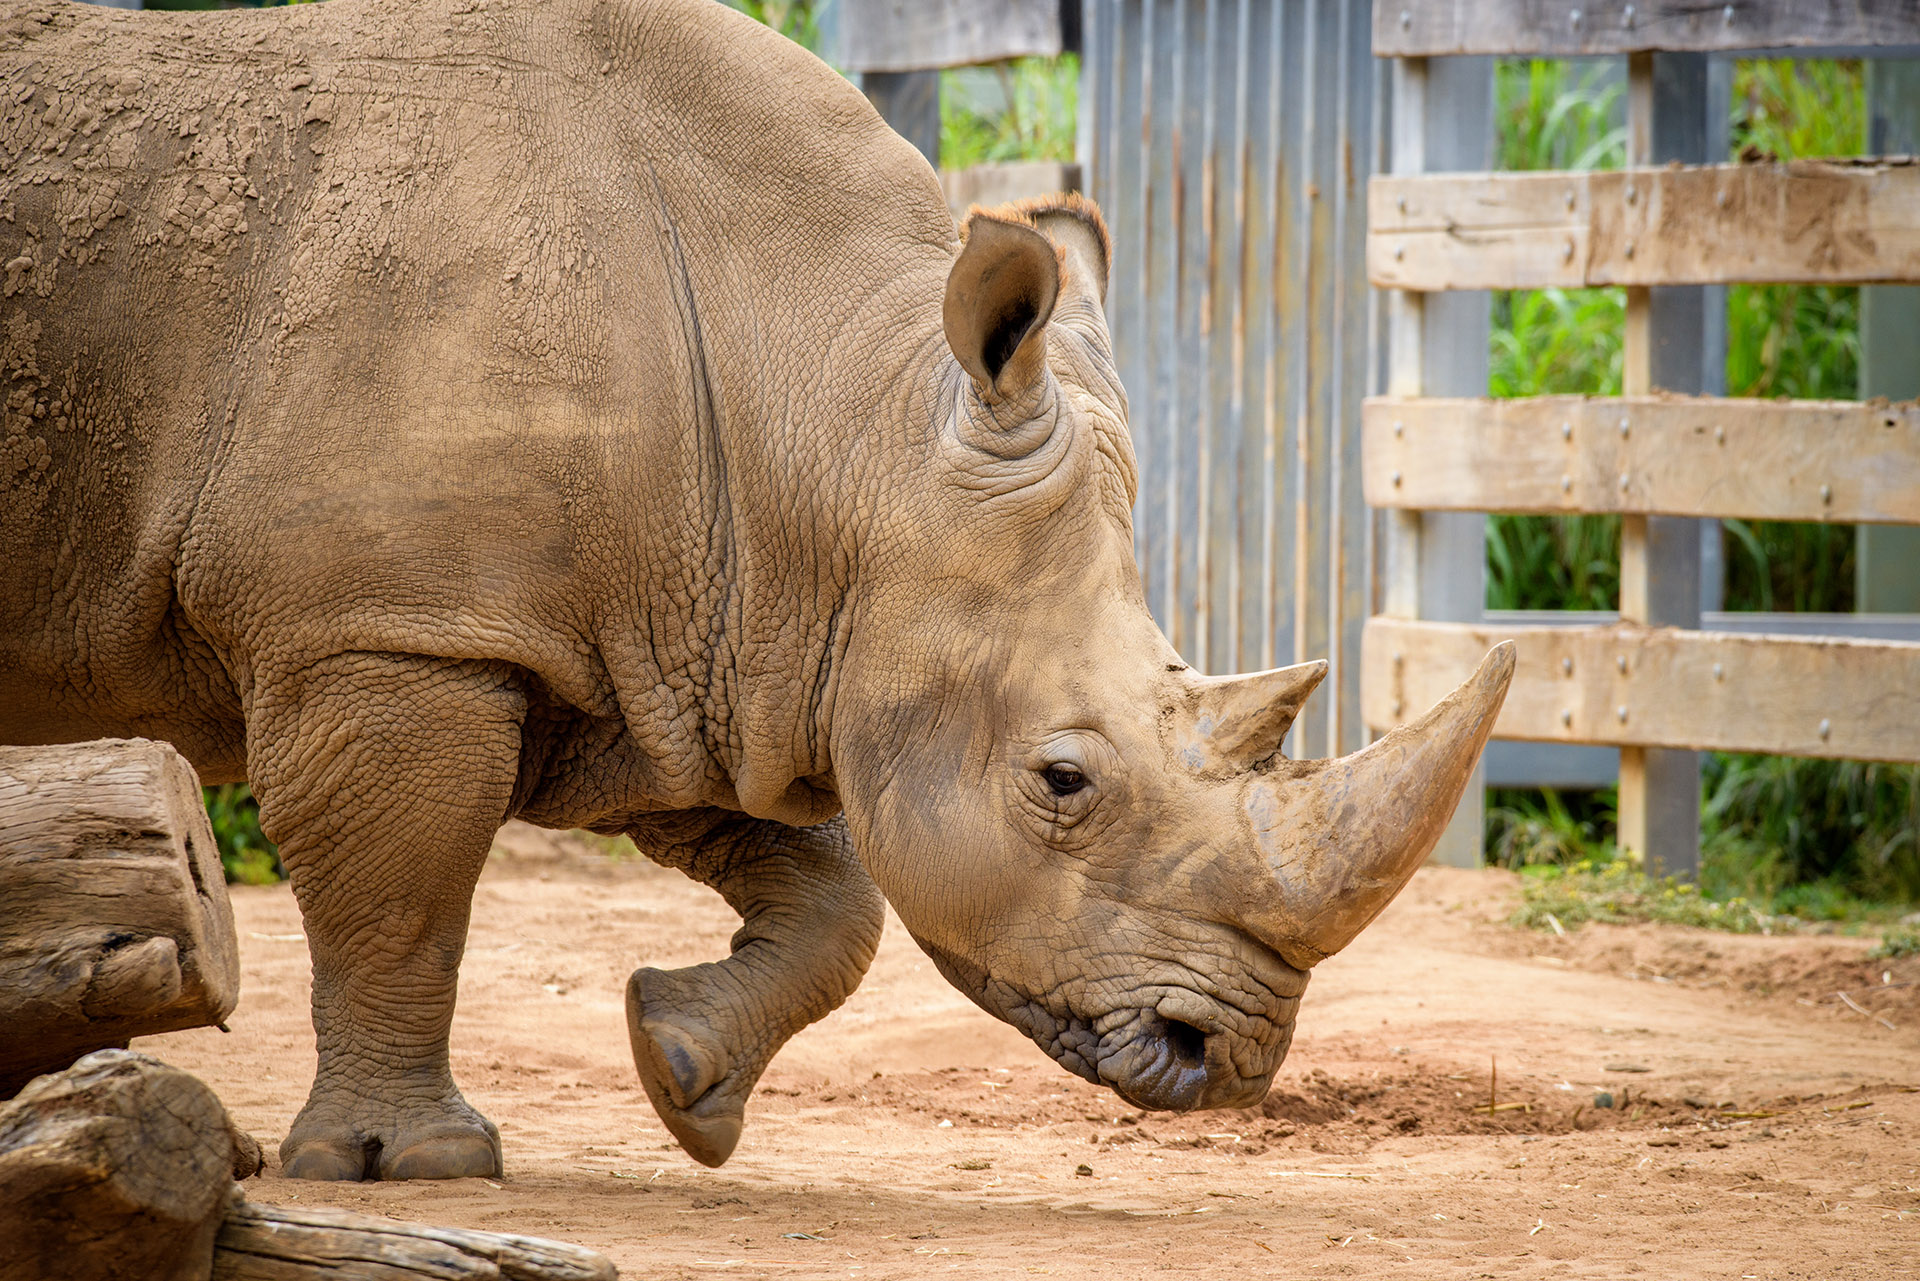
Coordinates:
column 119, row 1166
column 114, row 919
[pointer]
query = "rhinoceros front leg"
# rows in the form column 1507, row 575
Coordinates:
column 384, row 779
column 703, row 1035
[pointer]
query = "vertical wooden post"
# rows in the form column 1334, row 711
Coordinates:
column 1660, row 556
column 1885, row 580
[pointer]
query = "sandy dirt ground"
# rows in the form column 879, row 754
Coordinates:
column 1760, row 1127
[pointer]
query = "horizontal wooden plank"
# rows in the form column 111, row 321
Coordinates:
column 1833, row 221
column 1883, row 627
column 920, row 35
column 998, row 184
column 1811, row 460
column 1630, row 686
column 1563, row 28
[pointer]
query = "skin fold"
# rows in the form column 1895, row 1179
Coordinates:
column 587, row 411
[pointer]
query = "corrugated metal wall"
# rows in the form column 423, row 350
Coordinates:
column 1229, row 143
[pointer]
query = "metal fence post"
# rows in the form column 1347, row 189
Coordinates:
column 1887, row 557
column 1436, row 562
column 1660, row 556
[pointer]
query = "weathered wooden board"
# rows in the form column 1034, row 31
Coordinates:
column 286, row 1243
column 116, row 1167
column 917, row 35
column 1564, row 28
column 1805, row 221
column 1808, row 460
column 998, row 184
column 114, row 919
column 1660, row 687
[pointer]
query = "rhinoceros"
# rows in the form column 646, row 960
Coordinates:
column 587, row 411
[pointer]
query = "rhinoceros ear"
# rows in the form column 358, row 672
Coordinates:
column 1075, row 222
column 999, row 296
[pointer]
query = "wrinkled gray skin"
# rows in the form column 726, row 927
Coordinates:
column 583, row 412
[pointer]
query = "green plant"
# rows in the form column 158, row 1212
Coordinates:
column 1897, row 944
column 1780, row 828
column 1789, row 565
column 1620, row 893
column 245, row 852
column 1532, row 826
column 1025, row 109
column 1553, row 562
column 1552, row 115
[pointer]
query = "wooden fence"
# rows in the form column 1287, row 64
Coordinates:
column 1651, row 683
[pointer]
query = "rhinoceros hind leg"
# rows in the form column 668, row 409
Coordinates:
column 384, row 779
column 703, row 1035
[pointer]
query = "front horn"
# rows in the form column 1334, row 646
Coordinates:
column 1337, row 839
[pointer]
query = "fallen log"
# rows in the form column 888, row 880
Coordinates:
column 121, row 1166
column 114, row 919
column 277, row 1243
column 118, row 1167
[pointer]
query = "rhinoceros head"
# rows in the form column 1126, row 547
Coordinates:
column 1094, row 842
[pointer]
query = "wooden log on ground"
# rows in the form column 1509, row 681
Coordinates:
column 118, row 1167
column 114, row 918
column 279, row 1243
column 121, row 1166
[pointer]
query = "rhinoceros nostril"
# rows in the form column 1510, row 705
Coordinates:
column 1188, row 1043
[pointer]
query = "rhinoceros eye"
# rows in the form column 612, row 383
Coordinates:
column 1064, row 779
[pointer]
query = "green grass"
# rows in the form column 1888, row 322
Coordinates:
column 1554, row 115
column 1529, row 827
column 1025, row 109
column 1619, row 893
column 1897, row 944
column 1782, row 829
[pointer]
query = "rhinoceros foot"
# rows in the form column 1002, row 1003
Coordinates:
column 446, row 1139
column 697, row 1081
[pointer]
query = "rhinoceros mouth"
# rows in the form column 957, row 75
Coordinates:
column 1176, row 1054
